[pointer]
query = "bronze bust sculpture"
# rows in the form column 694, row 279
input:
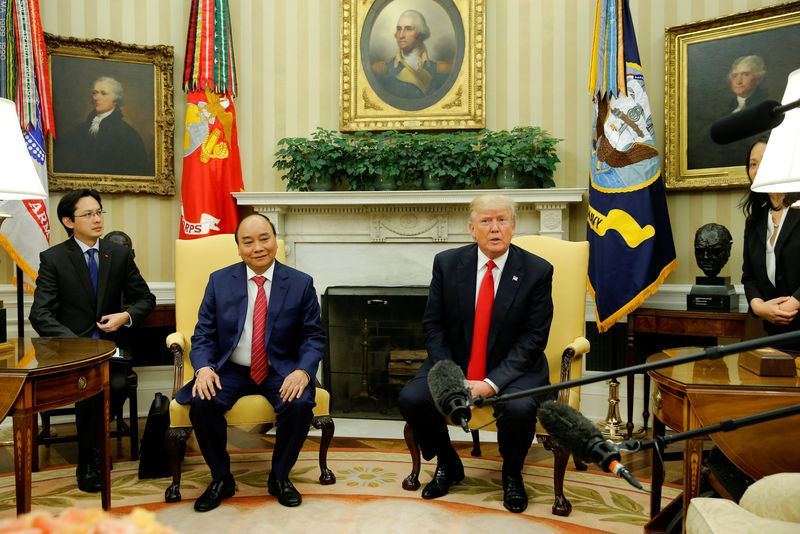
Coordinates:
column 712, row 248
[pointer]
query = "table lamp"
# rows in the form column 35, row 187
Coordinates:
column 779, row 171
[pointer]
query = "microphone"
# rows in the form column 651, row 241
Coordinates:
column 578, row 435
column 450, row 392
column 749, row 121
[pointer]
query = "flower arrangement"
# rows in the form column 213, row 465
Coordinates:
column 85, row 521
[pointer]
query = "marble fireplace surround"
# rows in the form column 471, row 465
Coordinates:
column 389, row 238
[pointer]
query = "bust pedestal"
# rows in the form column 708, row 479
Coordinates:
column 712, row 294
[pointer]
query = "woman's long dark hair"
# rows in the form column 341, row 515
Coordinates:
column 753, row 202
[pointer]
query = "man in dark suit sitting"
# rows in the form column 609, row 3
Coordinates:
column 258, row 332
column 81, row 285
column 489, row 310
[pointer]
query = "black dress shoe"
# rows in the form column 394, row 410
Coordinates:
column 444, row 477
column 514, row 497
column 215, row 492
column 88, row 475
column 284, row 491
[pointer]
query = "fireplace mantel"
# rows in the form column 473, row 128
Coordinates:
column 391, row 236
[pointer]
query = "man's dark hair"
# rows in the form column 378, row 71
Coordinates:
column 236, row 232
column 67, row 205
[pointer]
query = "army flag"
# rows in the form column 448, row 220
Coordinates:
column 24, row 79
column 631, row 250
column 212, row 167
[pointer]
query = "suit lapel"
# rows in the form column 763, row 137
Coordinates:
column 510, row 279
column 238, row 289
column 103, row 273
column 789, row 225
column 277, row 295
column 78, row 260
column 466, row 277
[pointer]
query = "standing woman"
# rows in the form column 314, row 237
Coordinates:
column 770, row 273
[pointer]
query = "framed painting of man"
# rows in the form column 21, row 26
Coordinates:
column 114, row 117
column 412, row 64
column 715, row 68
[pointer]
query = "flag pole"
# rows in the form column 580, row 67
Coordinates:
column 20, row 306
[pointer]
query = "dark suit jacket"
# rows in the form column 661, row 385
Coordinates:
column 787, row 253
column 64, row 304
column 521, row 314
column 294, row 335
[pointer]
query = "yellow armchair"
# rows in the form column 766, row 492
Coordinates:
column 195, row 260
column 565, row 349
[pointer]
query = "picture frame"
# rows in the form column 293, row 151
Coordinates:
column 114, row 116
column 759, row 49
column 444, row 90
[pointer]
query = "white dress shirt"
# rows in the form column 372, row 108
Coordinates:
column 241, row 354
column 497, row 272
column 772, row 229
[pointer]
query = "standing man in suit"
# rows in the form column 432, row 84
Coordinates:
column 79, row 293
column 258, row 332
column 489, row 310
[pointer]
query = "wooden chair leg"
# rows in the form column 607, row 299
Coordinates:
column 134, row 422
column 476, row 443
column 176, row 449
column 324, row 423
column 411, row 482
column 561, row 506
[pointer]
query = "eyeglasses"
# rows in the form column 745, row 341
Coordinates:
column 91, row 214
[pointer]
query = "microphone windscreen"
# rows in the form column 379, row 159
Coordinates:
column 749, row 121
column 567, row 426
column 445, row 379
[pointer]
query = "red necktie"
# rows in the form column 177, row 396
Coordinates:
column 258, row 351
column 480, row 333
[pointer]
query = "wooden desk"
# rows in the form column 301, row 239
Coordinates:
column 43, row 373
column 702, row 393
column 678, row 323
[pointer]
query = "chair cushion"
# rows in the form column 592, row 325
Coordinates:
column 249, row 410
column 775, row 496
column 721, row 516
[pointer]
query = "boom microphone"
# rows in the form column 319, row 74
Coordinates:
column 578, row 435
column 749, row 121
column 450, row 392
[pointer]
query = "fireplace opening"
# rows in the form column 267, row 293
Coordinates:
column 375, row 345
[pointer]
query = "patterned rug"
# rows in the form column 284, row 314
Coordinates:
column 367, row 497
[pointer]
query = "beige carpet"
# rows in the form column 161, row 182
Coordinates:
column 367, row 497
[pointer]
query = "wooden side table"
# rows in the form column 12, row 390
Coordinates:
column 702, row 393
column 43, row 373
column 677, row 323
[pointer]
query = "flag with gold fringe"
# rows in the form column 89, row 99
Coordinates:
column 212, row 167
column 631, row 250
column 24, row 78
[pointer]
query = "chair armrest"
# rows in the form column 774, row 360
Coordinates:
column 176, row 342
column 579, row 346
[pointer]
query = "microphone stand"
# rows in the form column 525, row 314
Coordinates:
column 727, row 425
column 711, row 353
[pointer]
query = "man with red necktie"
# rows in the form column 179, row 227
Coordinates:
column 489, row 310
column 258, row 332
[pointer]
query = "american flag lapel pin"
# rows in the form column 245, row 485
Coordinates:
column 515, row 278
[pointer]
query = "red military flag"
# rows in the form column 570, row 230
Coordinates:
column 212, row 168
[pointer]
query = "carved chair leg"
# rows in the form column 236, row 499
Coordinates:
column 324, row 423
column 561, row 506
column 476, row 443
column 411, row 482
column 134, row 423
column 176, row 448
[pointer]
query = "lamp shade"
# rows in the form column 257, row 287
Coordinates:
column 779, row 171
column 18, row 176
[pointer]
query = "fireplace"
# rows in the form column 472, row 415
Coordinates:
column 375, row 345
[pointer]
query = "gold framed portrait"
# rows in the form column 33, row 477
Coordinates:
column 714, row 68
column 412, row 65
column 114, row 116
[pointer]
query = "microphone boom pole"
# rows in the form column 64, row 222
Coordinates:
column 711, row 353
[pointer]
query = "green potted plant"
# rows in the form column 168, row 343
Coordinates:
column 525, row 156
column 311, row 163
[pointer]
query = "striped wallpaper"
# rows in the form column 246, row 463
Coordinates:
column 287, row 58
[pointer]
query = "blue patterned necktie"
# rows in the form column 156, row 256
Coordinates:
column 93, row 276
column 93, row 269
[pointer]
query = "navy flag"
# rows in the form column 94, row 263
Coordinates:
column 631, row 250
